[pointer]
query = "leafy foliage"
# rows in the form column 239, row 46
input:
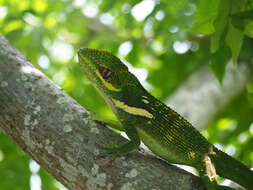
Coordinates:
column 220, row 19
column 168, row 39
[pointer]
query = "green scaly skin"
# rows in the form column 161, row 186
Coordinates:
column 145, row 118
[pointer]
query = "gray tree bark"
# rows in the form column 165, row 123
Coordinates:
column 57, row 133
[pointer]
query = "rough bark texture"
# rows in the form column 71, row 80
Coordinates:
column 56, row 132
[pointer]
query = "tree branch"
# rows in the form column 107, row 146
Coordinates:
column 56, row 132
column 202, row 95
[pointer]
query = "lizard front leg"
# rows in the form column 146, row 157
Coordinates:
column 132, row 144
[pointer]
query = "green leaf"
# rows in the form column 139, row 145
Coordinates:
column 220, row 24
column 240, row 20
column 176, row 6
column 234, row 39
column 14, row 164
column 220, row 50
column 219, row 60
column 47, row 180
column 248, row 30
column 205, row 15
column 243, row 21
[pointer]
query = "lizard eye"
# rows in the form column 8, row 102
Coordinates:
column 105, row 72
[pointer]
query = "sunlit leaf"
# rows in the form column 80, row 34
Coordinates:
column 40, row 6
column 204, row 17
column 13, row 25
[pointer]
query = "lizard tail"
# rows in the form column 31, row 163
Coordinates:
column 232, row 169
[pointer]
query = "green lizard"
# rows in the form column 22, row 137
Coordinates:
column 145, row 118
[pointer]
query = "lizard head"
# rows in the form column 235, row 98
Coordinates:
column 119, row 88
column 106, row 72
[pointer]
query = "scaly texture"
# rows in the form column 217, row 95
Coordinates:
column 165, row 132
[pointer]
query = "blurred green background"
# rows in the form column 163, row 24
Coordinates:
column 164, row 42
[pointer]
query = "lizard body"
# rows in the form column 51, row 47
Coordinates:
column 145, row 118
